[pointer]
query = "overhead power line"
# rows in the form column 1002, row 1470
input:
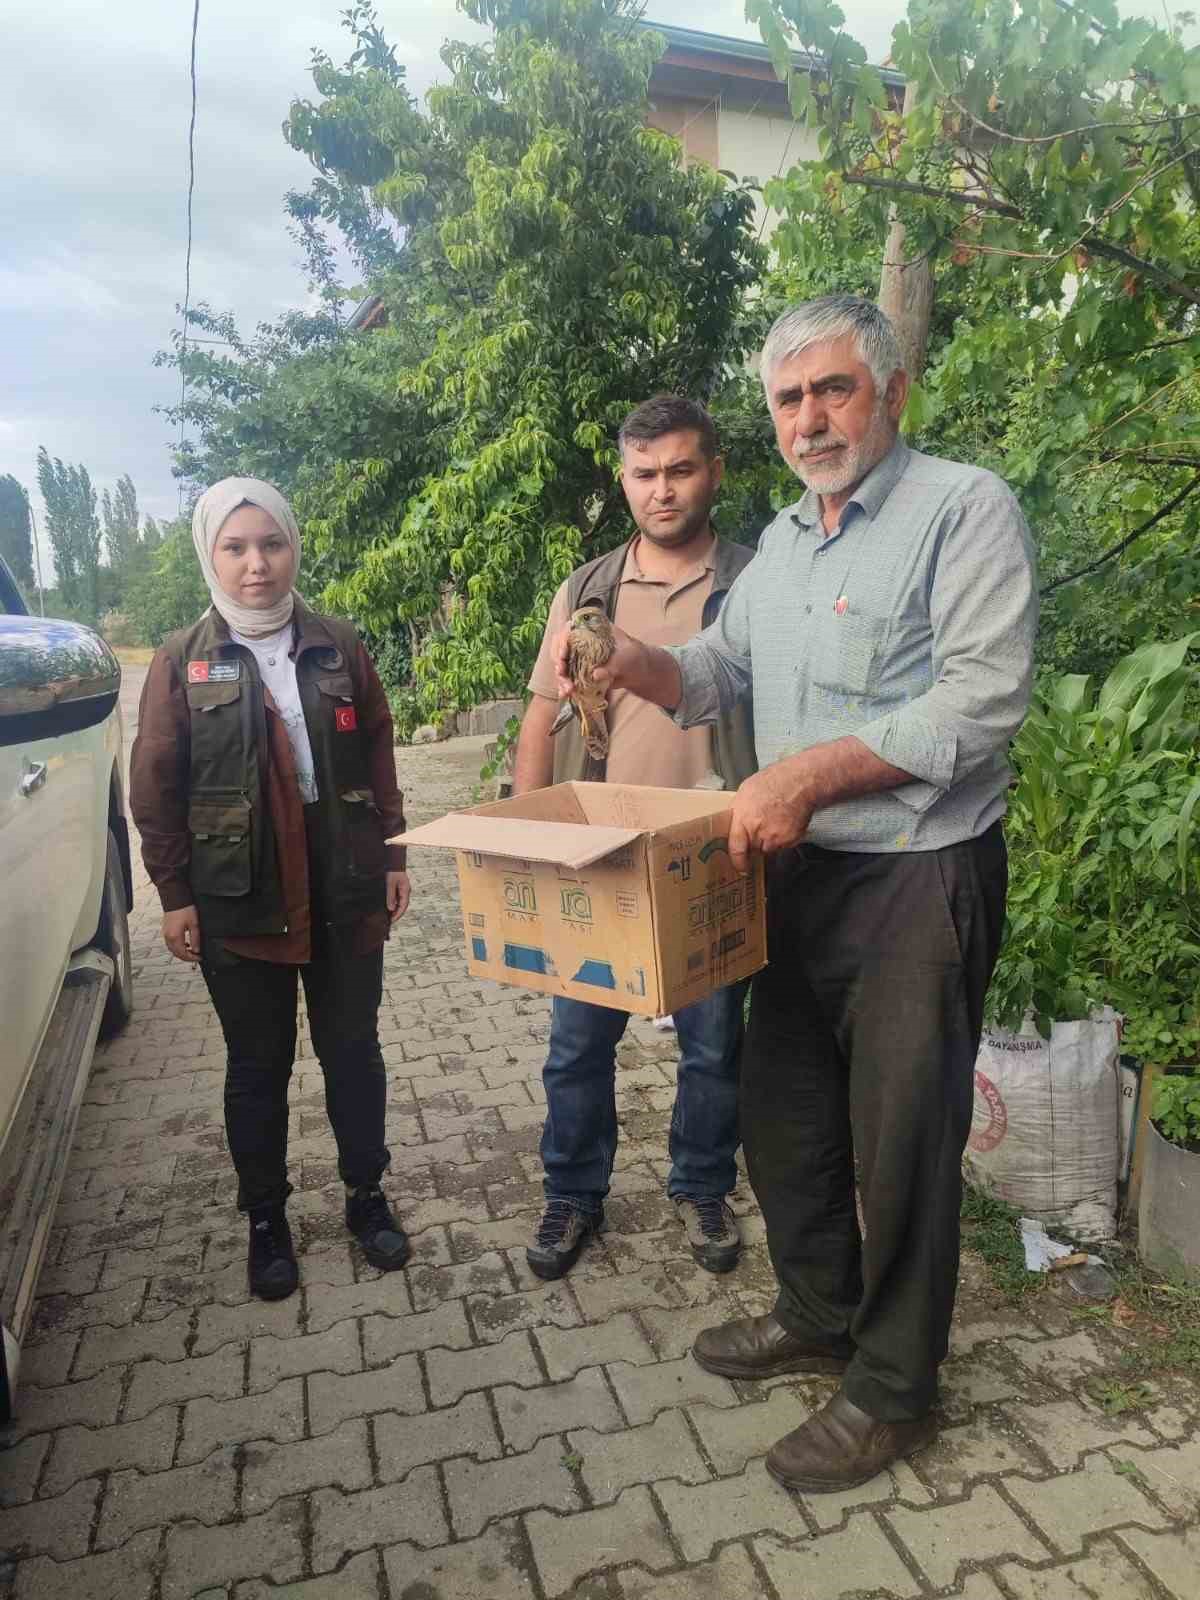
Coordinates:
column 187, row 267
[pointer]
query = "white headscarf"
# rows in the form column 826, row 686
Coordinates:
column 211, row 511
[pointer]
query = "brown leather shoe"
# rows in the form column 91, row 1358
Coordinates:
column 761, row 1347
column 841, row 1447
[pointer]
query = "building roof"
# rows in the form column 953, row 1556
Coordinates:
column 715, row 52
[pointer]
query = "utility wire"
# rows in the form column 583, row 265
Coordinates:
column 187, row 269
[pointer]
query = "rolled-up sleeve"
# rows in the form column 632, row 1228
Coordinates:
column 983, row 611
column 715, row 666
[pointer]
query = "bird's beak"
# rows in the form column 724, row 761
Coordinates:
column 565, row 712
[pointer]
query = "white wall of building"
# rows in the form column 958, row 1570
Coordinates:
column 759, row 146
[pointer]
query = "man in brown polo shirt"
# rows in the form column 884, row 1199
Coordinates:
column 666, row 584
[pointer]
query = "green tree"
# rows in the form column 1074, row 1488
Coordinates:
column 16, row 530
column 170, row 592
column 1049, row 163
column 74, row 530
column 120, row 513
column 560, row 264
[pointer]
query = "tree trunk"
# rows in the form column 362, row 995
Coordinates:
column 906, row 289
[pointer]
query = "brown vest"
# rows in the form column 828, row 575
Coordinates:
column 234, row 872
column 598, row 583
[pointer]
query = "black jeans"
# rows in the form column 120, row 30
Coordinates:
column 256, row 1004
column 861, row 1050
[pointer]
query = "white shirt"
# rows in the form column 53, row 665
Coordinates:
column 278, row 672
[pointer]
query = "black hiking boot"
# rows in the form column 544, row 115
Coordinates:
column 271, row 1265
column 373, row 1223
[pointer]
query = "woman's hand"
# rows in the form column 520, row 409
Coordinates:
column 181, row 933
column 399, row 893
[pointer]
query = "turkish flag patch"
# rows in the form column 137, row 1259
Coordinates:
column 345, row 719
column 198, row 671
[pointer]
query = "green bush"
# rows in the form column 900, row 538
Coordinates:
column 1177, row 1109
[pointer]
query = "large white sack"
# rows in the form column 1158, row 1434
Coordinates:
column 1045, row 1129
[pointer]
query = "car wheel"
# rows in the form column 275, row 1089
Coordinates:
column 112, row 936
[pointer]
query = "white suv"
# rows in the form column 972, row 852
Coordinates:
column 66, row 888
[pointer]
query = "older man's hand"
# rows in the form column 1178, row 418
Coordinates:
column 620, row 671
column 771, row 811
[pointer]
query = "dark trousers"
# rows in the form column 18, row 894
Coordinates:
column 861, row 1051
column 256, row 1004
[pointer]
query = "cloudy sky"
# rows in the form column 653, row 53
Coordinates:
column 94, row 106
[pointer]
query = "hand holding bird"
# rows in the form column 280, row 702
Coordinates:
column 589, row 644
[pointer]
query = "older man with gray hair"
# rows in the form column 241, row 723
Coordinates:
column 885, row 630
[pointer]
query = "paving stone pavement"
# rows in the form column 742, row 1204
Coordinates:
column 460, row 1431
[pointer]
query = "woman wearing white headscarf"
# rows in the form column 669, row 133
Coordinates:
column 263, row 781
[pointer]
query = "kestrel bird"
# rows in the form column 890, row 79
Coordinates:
column 590, row 645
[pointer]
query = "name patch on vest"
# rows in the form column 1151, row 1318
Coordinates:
column 214, row 671
column 345, row 719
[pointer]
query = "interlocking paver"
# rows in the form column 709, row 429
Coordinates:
column 705, row 1514
column 565, row 1549
column 337, row 1349
column 566, row 1350
column 978, row 1529
column 1173, row 1558
column 527, row 1415
column 899, row 1483
column 496, row 1316
column 82, row 1452
column 411, row 1510
column 57, row 1527
column 495, row 1566
column 340, row 1458
column 610, row 1462
column 126, row 1574
column 1094, row 1498
column 479, row 1491
column 357, row 1580
column 965, row 1453
column 1172, row 1472
column 220, row 1376
column 732, row 1436
column 20, row 1466
column 384, row 1338
column 1106, row 1573
column 855, row 1560
column 1064, row 1430
column 278, row 1415
column 165, row 1340
column 270, row 1545
column 387, row 1293
column 396, row 1387
column 732, row 1576
column 453, row 1373
column 253, row 1319
column 645, row 1391
column 402, row 1443
column 206, row 1492
column 92, row 1404
column 1065, row 1362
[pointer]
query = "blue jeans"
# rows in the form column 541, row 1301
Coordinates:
column 579, row 1140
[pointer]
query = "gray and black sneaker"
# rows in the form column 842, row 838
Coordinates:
column 711, row 1231
column 560, row 1235
column 371, row 1221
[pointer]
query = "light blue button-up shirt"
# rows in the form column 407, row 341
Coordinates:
column 911, row 626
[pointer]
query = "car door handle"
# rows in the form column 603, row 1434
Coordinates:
column 33, row 777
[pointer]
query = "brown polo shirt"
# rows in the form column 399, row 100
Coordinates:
column 644, row 746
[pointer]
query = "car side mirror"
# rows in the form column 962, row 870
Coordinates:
column 55, row 678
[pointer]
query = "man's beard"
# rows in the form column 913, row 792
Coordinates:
column 679, row 533
column 850, row 465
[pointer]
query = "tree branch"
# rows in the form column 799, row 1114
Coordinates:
column 1163, row 511
column 1096, row 247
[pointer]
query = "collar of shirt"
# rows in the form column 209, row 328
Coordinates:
column 633, row 570
column 868, row 497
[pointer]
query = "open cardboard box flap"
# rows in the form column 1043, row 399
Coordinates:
column 565, row 844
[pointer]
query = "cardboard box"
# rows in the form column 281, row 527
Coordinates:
column 608, row 892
